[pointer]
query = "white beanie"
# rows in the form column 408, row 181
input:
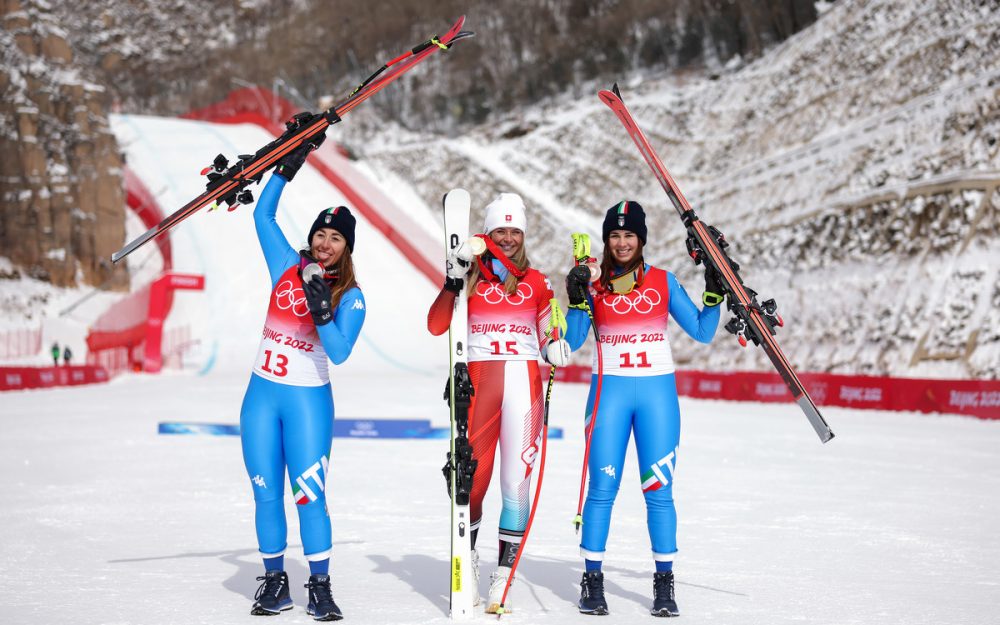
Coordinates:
column 507, row 211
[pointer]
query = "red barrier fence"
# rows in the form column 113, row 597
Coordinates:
column 978, row 398
column 20, row 342
column 20, row 378
column 130, row 334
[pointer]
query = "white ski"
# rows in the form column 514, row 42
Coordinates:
column 463, row 592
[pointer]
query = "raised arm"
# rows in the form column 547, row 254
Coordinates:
column 277, row 252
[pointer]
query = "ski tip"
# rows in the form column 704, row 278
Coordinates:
column 456, row 195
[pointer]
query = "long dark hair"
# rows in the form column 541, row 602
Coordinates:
column 608, row 265
column 345, row 278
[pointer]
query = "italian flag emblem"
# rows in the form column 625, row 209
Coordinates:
column 650, row 481
column 301, row 491
column 299, row 495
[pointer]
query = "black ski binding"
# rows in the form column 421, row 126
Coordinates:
column 462, row 462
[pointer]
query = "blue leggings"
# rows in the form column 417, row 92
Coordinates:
column 282, row 425
column 647, row 405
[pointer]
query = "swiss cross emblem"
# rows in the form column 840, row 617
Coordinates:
column 509, row 218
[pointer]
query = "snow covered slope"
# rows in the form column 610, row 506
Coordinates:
column 168, row 154
column 106, row 522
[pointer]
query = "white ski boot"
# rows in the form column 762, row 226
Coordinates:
column 498, row 581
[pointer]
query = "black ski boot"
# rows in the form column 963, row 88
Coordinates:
column 663, row 595
column 592, row 593
column 321, row 606
column 272, row 597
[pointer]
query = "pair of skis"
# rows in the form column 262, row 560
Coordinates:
column 753, row 320
column 228, row 183
column 460, row 467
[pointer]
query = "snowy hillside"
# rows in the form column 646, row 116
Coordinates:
column 855, row 168
column 168, row 154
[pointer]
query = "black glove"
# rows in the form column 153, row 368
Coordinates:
column 290, row 163
column 715, row 291
column 453, row 284
column 576, row 285
column 318, row 299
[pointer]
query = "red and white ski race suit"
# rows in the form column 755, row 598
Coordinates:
column 507, row 335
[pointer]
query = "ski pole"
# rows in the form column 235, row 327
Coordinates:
column 557, row 323
column 581, row 254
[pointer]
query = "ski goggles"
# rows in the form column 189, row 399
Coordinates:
column 625, row 283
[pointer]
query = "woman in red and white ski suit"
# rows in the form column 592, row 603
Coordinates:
column 509, row 318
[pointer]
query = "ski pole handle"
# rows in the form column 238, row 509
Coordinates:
column 581, row 254
column 581, row 246
column 557, row 320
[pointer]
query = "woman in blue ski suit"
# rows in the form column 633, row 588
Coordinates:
column 287, row 416
column 631, row 303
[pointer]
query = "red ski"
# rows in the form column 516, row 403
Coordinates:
column 227, row 183
column 707, row 245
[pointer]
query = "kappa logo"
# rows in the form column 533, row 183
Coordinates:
column 358, row 305
column 259, row 481
column 610, row 470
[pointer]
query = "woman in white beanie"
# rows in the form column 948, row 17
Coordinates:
column 509, row 330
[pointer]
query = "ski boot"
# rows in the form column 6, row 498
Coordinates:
column 272, row 597
column 663, row 595
column 592, row 593
column 498, row 581
column 321, row 606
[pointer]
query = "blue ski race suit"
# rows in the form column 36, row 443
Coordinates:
column 638, row 394
column 286, row 420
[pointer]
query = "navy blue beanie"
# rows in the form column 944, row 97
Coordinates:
column 340, row 219
column 626, row 215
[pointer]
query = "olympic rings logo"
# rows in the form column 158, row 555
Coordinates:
column 641, row 302
column 287, row 296
column 494, row 293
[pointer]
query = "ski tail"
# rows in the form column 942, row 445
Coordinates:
column 706, row 245
column 229, row 183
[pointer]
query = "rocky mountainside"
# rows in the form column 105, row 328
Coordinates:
column 66, row 65
column 60, row 176
column 855, row 169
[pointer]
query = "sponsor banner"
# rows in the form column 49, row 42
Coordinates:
column 573, row 373
column 20, row 378
column 979, row 398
